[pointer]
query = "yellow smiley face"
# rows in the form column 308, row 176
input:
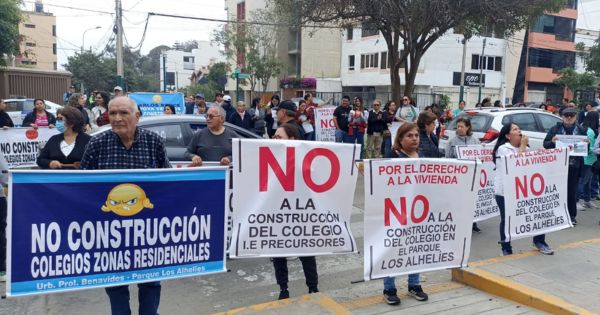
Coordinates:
column 126, row 200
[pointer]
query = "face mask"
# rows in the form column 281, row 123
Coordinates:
column 60, row 126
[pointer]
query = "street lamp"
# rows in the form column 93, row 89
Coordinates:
column 83, row 37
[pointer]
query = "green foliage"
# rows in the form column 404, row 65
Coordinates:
column 218, row 75
column 94, row 71
column 574, row 81
column 593, row 58
column 444, row 102
column 10, row 16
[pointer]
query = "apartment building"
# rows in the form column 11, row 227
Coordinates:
column 38, row 44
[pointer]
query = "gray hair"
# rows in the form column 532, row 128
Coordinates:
column 220, row 110
column 74, row 99
column 132, row 104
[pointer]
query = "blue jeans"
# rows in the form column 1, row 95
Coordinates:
column 390, row 282
column 357, row 137
column 340, row 135
column 595, row 185
column 585, row 183
column 387, row 146
column 148, row 298
column 505, row 244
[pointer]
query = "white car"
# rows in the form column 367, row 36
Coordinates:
column 486, row 124
column 18, row 108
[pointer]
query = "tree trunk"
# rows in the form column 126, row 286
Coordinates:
column 411, row 72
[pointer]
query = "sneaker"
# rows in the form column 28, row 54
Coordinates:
column 284, row 294
column 588, row 205
column 544, row 248
column 581, row 205
column 313, row 290
column 416, row 292
column 597, row 198
column 2, row 276
column 507, row 251
column 573, row 221
column 476, row 228
column 390, row 296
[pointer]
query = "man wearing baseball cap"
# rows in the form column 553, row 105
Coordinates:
column 118, row 91
column 286, row 113
column 568, row 126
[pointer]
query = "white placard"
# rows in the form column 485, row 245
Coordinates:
column 411, row 223
column 324, row 126
column 21, row 146
column 577, row 144
column 394, row 129
column 486, row 206
column 296, row 198
column 535, row 192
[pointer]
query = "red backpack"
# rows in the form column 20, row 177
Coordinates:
column 103, row 119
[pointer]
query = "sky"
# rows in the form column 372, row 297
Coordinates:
column 71, row 22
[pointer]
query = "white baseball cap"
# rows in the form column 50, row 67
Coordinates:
column 227, row 98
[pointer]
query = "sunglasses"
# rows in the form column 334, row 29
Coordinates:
column 405, row 99
column 211, row 116
column 569, row 115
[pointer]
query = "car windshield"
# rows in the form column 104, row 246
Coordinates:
column 479, row 122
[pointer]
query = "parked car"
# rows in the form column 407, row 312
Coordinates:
column 486, row 123
column 177, row 131
column 18, row 108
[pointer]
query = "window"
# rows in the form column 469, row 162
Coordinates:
column 547, row 58
column 350, row 33
column 55, row 66
column 54, row 49
column 14, row 106
column 28, row 62
column 562, row 28
column 30, row 44
column 384, row 60
column 351, row 62
column 525, row 121
column 30, row 25
column 188, row 59
column 369, row 61
column 571, row 4
column 53, row 30
column 548, row 121
column 171, row 134
column 369, row 29
column 486, row 63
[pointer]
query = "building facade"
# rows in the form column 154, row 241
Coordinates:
column 38, row 44
column 549, row 46
column 366, row 70
column 181, row 67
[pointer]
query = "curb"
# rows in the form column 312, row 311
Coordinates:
column 501, row 286
column 327, row 304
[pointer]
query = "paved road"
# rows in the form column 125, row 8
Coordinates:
column 252, row 281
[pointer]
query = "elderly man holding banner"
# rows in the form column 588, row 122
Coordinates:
column 127, row 146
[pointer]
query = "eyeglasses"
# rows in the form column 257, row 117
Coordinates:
column 405, row 99
column 569, row 115
column 376, row 104
column 211, row 116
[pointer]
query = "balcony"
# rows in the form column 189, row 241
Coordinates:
column 549, row 41
column 541, row 75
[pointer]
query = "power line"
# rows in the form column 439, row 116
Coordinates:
column 73, row 8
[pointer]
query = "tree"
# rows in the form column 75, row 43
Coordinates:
column 593, row 58
column 218, row 75
column 252, row 48
column 10, row 16
column 411, row 27
column 570, row 79
column 94, row 71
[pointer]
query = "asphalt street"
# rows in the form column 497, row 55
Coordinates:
column 252, row 281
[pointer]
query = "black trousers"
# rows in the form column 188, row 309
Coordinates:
column 309, row 264
column 2, row 233
column 572, row 185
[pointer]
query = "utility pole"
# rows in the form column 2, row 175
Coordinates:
column 481, row 59
column 119, row 24
column 462, row 72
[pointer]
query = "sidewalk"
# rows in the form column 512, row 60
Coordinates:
column 567, row 282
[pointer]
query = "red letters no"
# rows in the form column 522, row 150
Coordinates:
column 307, row 172
column 267, row 160
column 522, row 186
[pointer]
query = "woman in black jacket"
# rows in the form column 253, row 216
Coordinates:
column 5, row 121
column 65, row 150
column 39, row 117
column 428, row 141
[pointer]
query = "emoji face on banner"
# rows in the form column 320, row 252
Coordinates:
column 126, row 200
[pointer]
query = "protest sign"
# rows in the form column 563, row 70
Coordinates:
column 535, row 192
column 394, row 129
column 577, row 144
column 297, row 198
column 21, row 146
column 324, row 126
column 418, row 215
column 486, row 206
column 72, row 230
column 153, row 104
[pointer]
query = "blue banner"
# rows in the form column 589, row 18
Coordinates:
column 153, row 104
column 73, row 230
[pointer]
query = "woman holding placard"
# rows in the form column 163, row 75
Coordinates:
column 309, row 263
column 406, row 145
column 511, row 141
column 464, row 136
